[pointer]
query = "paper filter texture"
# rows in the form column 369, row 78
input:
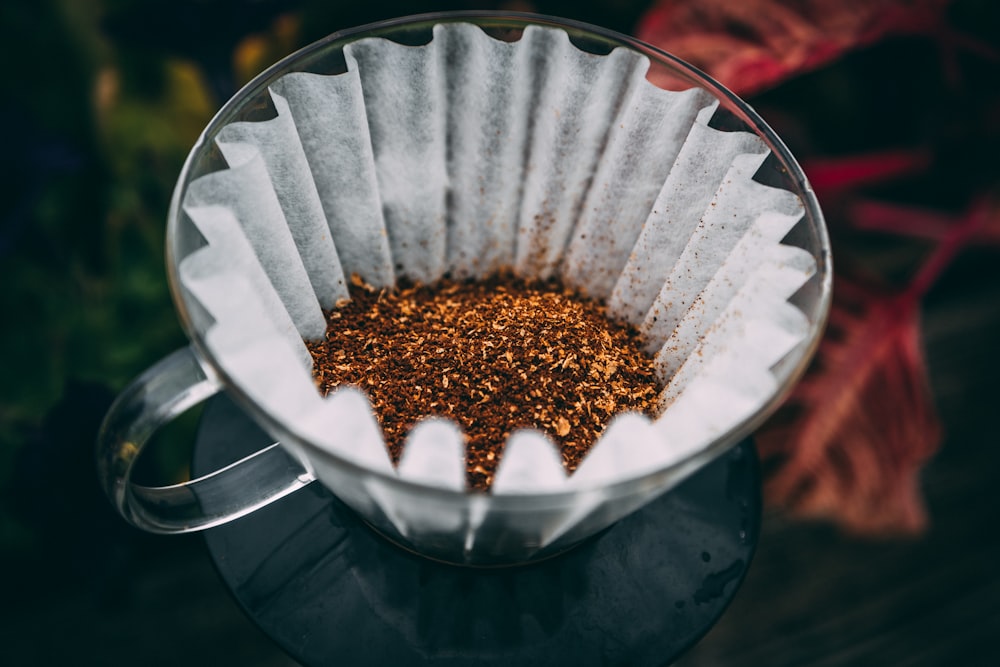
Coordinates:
column 465, row 156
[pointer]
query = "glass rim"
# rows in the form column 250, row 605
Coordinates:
column 485, row 18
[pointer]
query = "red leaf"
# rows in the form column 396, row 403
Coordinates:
column 849, row 442
column 833, row 176
column 752, row 45
column 979, row 224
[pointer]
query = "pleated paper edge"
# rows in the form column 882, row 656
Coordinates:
column 589, row 473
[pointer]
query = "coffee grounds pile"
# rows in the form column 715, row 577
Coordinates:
column 493, row 356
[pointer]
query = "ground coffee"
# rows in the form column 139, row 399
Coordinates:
column 492, row 355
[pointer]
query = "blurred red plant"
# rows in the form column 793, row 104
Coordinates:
column 849, row 441
column 752, row 46
column 848, row 444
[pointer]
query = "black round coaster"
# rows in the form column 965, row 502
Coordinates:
column 329, row 590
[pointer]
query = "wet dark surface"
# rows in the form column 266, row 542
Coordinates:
column 328, row 589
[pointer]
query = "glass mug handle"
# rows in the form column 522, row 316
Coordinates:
column 165, row 391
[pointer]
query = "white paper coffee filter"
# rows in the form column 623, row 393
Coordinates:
column 468, row 155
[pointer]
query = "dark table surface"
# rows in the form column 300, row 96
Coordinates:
column 328, row 589
column 813, row 596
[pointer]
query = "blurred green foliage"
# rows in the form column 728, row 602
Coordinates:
column 81, row 250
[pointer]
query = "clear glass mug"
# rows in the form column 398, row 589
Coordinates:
column 484, row 529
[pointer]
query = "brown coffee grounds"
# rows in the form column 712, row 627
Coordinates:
column 493, row 356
